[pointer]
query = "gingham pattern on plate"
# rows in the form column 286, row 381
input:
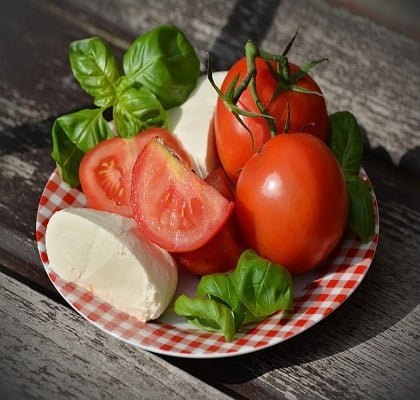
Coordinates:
column 317, row 294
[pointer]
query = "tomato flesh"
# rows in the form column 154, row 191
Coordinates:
column 174, row 208
column 105, row 171
column 308, row 113
column 222, row 252
column 292, row 201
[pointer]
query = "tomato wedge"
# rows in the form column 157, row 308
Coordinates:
column 105, row 171
column 174, row 208
column 222, row 252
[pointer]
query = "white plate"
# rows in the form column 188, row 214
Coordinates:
column 316, row 295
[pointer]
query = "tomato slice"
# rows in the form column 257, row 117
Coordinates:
column 221, row 253
column 105, row 171
column 174, row 208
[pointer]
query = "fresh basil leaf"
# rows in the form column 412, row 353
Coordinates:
column 219, row 287
column 361, row 219
column 73, row 135
column 66, row 155
column 206, row 314
column 250, row 318
column 95, row 68
column 164, row 61
column 252, row 292
column 264, row 287
column 345, row 140
column 136, row 110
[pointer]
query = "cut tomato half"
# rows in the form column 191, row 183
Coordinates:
column 221, row 253
column 105, row 171
column 175, row 208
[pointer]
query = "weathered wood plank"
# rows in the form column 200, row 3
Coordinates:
column 369, row 347
column 30, row 100
column 372, row 71
column 365, row 73
column 36, row 85
column 47, row 351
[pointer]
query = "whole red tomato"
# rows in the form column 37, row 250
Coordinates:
column 308, row 113
column 292, row 201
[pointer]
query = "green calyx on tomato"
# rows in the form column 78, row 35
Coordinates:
column 254, row 290
column 262, row 95
column 287, row 80
column 160, row 70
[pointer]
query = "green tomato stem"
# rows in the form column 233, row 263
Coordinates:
column 251, row 53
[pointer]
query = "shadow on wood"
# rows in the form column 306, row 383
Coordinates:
column 249, row 19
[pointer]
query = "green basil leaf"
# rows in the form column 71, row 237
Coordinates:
column 264, row 287
column 66, row 155
column 206, row 314
column 250, row 318
column 361, row 219
column 136, row 110
column 164, row 61
column 219, row 287
column 95, row 68
column 73, row 135
column 345, row 140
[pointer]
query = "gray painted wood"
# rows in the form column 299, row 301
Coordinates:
column 368, row 348
column 49, row 352
column 372, row 71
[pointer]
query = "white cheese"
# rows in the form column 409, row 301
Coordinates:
column 107, row 255
column 191, row 123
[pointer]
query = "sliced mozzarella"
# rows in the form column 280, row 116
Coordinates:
column 107, row 255
column 191, row 123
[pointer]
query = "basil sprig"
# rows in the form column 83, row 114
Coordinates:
column 160, row 69
column 345, row 140
column 253, row 291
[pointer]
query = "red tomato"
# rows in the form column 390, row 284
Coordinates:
column 220, row 182
column 174, row 208
column 221, row 253
column 292, row 201
column 308, row 113
column 105, row 171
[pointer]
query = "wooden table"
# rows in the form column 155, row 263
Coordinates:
column 368, row 348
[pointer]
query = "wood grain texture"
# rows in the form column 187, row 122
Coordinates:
column 368, row 348
column 365, row 73
column 49, row 352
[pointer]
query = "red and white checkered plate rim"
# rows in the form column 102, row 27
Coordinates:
column 317, row 294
